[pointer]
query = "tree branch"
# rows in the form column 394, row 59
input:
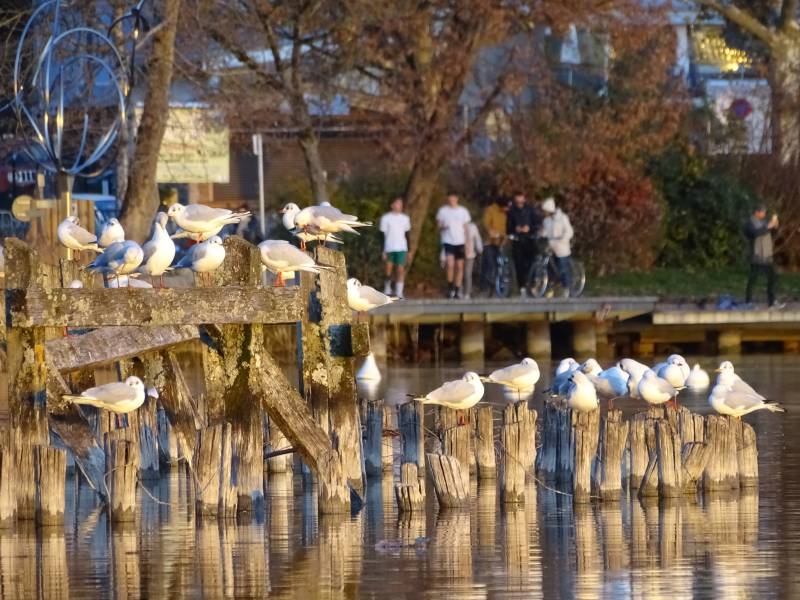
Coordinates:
column 789, row 15
column 743, row 19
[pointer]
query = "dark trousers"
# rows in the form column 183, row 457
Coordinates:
column 489, row 266
column 769, row 271
column 522, row 253
column 564, row 266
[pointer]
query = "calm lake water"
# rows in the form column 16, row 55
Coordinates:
column 744, row 546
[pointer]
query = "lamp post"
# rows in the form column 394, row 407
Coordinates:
column 258, row 150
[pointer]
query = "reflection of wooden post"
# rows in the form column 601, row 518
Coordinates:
column 484, row 443
column 373, row 442
column 410, row 492
column 54, row 574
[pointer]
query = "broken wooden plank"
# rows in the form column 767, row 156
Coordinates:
column 151, row 307
column 112, row 344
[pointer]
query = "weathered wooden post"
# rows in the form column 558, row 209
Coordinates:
column 585, row 433
column 277, row 441
column 454, row 434
column 722, row 469
column 694, row 457
column 122, row 468
column 746, row 453
column 24, row 476
column 670, row 467
column 518, row 450
column 51, row 471
column 607, row 476
column 411, row 422
column 389, row 432
column 8, row 496
column 643, row 465
column 547, row 458
column 373, row 443
column 450, row 482
column 484, row 443
column 215, row 492
column 410, row 492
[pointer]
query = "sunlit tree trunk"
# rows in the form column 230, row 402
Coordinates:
column 785, row 82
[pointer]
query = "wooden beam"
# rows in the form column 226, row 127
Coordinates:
column 151, row 307
column 112, row 344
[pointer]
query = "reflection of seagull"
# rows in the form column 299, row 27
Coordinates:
column 120, row 258
column 460, row 394
column 520, row 377
column 198, row 218
column 581, row 395
column 726, row 401
column 204, row 258
column 280, row 257
column 698, row 379
column 362, row 298
column 112, row 233
column 159, row 252
column 119, row 397
column 73, row 236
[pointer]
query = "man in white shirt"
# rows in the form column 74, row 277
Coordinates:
column 452, row 220
column 395, row 226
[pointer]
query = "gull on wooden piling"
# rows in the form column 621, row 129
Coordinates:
column 280, row 257
column 675, row 370
column 73, row 236
column 112, row 233
column 591, row 367
column 727, row 401
column 118, row 397
column 305, row 237
column 459, row 394
column 656, row 390
column 698, row 379
column 363, row 298
column 205, row 257
column 728, row 376
column 581, row 394
column 561, row 378
column 635, row 371
column 159, row 252
column 521, row 377
column 199, row 218
column 120, row 258
column 610, row 384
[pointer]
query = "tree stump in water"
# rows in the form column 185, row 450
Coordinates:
column 51, row 471
column 410, row 418
column 670, row 468
column 450, row 482
column 607, row 477
column 722, row 469
column 518, row 451
column 746, row 453
column 122, row 468
column 585, row 433
column 410, row 492
column 484, row 443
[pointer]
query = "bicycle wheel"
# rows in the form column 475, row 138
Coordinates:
column 502, row 280
column 578, row 279
column 538, row 279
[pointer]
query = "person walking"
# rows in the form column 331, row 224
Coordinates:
column 473, row 247
column 759, row 231
column 558, row 231
column 452, row 220
column 523, row 223
column 495, row 222
column 395, row 226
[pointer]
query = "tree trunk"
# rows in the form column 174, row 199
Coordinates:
column 419, row 191
column 317, row 178
column 785, row 82
column 141, row 197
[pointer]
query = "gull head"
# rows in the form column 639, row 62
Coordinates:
column 135, row 383
column 73, row 219
column 676, row 359
column 726, row 367
column 529, row 362
column 649, row 374
column 215, row 240
column 175, row 210
column 591, row 367
column 353, row 284
column 472, row 377
column 289, row 212
column 113, row 222
column 579, row 378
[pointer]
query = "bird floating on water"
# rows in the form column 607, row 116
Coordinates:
column 362, row 298
column 118, row 397
column 112, row 233
column 521, row 377
column 459, row 394
column 202, row 219
column 205, row 257
column 159, row 252
column 280, row 257
column 73, row 236
column 727, row 401
column 698, row 379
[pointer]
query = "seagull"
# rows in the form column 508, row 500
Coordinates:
column 635, row 371
column 591, row 367
column 362, row 298
column 727, row 401
column 280, row 257
column 118, row 397
column 727, row 376
column 323, row 219
column 129, row 281
column 120, row 258
column 460, row 394
column 610, row 384
column 581, row 395
column 521, row 377
column 698, row 379
column 561, row 379
column 204, row 257
column 199, row 218
column 112, row 233
column 197, row 237
column 159, row 252
column 73, row 236
column 655, row 390
column 675, row 371
column 369, row 370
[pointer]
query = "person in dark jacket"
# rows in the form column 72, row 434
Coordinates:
column 523, row 222
column 759, row 231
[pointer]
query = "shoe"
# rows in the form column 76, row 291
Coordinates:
column 458, row 293
column 777, row 305
column 451, row 294
column 467, row 297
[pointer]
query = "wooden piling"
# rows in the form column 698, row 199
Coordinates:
column 607, row 475
column 547, row 458
column 484, row 443
column 277, row 441
column 746, row 453
column 387, row 447
column 410, row 418
column 517, row 451
column 215, row 493
column 670, row 468
column 8, row 492
column 122, row 468
column 585, row 434
column 722, row 469
column 449, row 481
column 24, row 477
column 373, row 442
column 694, row 457
column 51, row 471
column 454, row 434
column 643, row 455
column 168, row 451
column 410, row 492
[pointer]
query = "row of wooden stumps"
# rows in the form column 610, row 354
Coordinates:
column 660, row 452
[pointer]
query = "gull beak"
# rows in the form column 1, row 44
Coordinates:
column 717, row 370
column 281, row 211
column 152, row 392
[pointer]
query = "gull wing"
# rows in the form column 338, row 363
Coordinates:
column 741, row 400
column 332, row 214
column 510, row 373
column 742, row 387
column 373, row 296
column 201, row 212
column 666, row 387
column 452, row 392
column 149, row 249
column 79, row 234
column 111, row 393
column 286, row 255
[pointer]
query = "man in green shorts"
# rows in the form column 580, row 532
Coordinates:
column 395, row 226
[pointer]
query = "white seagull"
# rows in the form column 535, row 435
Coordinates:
column 521, row 377
column 320, row 219
column 112, row 233
column 610, row 384
column 655, row 390
column 561, row 379
column 727, row 376
column 698, row 379
column 159, row 252
column 635, row 371
column 199, row 218
column 727, row 401
column 73, row 236
column 591, row 367
column 362, row 298
column 120, row 258
column 205, row 257
column 676, row 370
column 280, row 257
column 460, row 394
column 197, row 237
column 118, row 397
column 581, row 395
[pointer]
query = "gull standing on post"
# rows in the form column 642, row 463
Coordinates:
column 198, row 218
column 727, row 376
column 112, row 233
column 73, row 236
column 460, row 394
column 205, row 257
column 159, row 252
column 521, row 377
column 118, row 397
column 120, row 258
column 655, row 390
column 280, row 257
column 676, row 370
column 581, row 395
column 561, row 379
column 727, row 401
column 362, row 298
column 197, row 237
column 635, row 371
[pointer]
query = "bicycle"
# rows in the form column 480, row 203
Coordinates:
column 503, row 277
column 544, row 275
